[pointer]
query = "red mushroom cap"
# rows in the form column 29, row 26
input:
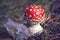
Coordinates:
column 35, row 13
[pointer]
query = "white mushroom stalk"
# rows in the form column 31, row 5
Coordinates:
column 36, row 29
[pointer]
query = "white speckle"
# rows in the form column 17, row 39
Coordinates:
column 37, row 10
column 30, row 9
column 43, row 10
column 40, row 15
column 30, row 15
column 30, row 5
column 36, row 6
column 37, row 20
column 34, row 15
column 37, row 13
column 40, row 9
column 31, row 20
column 34, row 19
column 34, row 10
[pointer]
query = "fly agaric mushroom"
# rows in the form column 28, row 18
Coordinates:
column 35, row 13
